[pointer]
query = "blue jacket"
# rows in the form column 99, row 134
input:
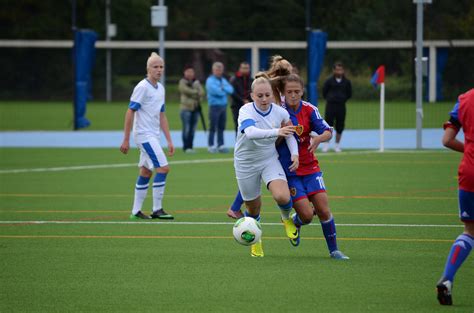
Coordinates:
column 217, row 90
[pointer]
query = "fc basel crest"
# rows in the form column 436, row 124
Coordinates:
column 293, row 191
column 299, row 129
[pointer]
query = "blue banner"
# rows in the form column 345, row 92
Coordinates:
column 316, row 51
column 84, row 57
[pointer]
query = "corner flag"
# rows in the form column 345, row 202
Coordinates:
column 379, row 79
column 379, row 76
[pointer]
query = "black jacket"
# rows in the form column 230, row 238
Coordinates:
column 337, row 93
column 242, row 88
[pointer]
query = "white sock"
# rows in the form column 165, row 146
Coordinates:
column 285, row 210
column 158, row 190
column 141, row 189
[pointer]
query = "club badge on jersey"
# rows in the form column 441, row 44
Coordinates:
column 299, row 129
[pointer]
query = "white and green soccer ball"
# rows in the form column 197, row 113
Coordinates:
column 247, row 231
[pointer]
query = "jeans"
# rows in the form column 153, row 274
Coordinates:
column 217, row 117
column 189, row 119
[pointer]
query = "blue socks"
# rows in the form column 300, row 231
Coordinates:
column 237, row 204
column 329, row 231
column 459, row 252
column 285, row 209
column 256, row 217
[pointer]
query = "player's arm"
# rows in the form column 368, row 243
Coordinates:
column 451, row 129
column 320, row 130
column 129, row 115
column 450, row 141
column 166, row 130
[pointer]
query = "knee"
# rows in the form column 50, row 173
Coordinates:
column 163, row 170
column 282, row 198
column 145, row 172
column 306, row 217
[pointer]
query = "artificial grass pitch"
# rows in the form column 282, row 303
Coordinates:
column 96, row 260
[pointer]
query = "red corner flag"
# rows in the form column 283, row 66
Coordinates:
column 379, row 76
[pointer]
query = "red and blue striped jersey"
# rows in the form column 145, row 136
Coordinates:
column 306, row 118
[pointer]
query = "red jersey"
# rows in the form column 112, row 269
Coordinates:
column 306, row 118
column 462, row 116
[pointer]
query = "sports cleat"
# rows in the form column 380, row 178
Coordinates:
column 290, row 228
column 296, row 242
column 161, row 214
column 234, row 214
column 139, row 216
column 338, row 255
column 256, row 250
column 444, row 288
column 223, row 149
column 325, row 147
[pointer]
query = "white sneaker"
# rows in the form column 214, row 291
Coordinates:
column 337, row 148
column 212, row 149
column 325, row 147
column 190, row 151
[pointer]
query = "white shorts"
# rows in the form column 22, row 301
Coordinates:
column 250, row 185
column 151, row 154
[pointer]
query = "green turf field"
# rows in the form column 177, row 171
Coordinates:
column 18, row 115
column 96, row 261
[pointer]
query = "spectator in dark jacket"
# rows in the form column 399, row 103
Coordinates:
column 336, row 90
column 242, row 82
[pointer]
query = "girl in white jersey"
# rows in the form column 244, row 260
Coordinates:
column 256, row 159
column 147, row 114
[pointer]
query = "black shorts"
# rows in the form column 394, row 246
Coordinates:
column 335, row 116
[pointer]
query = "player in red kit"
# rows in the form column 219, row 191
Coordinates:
column 307, row 184
column 462, row 116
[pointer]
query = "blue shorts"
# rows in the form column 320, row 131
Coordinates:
column 466, row 206
column 304, row 186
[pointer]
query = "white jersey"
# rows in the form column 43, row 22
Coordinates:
column 148, row 101
column 250, row 155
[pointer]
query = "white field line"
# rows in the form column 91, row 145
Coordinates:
column 199, row 161
column 213, row 223
column 99, row 166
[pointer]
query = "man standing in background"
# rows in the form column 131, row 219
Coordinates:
column 242, row 82
column 336, row 90
column 218, row 88
column 191, row 93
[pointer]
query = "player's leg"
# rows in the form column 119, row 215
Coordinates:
column 329, row 117
column 303, row 210
column 157, row 156
column 460, row 250
column 213, row 119
column 250, row 189
column 141, row 189
column 234, row 210
column 275, row 180
column 220, row 130
column 340, row 125
column 319, row 198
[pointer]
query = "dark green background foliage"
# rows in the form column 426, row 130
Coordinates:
column 48, row 71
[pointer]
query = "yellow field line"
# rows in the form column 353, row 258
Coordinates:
column 381, row 197
column 221, row 212
column 207, row 237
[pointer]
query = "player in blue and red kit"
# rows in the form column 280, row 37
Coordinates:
column 307, row 184
column 462, row 116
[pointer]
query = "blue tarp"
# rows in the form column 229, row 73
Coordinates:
column 316, row 52
column 84, row 56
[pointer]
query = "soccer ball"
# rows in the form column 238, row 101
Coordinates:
column 247, row 231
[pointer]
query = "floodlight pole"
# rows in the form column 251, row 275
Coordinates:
column 419, row 70
column 161, row 39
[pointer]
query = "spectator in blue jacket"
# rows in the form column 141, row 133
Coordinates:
column 218, row 88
